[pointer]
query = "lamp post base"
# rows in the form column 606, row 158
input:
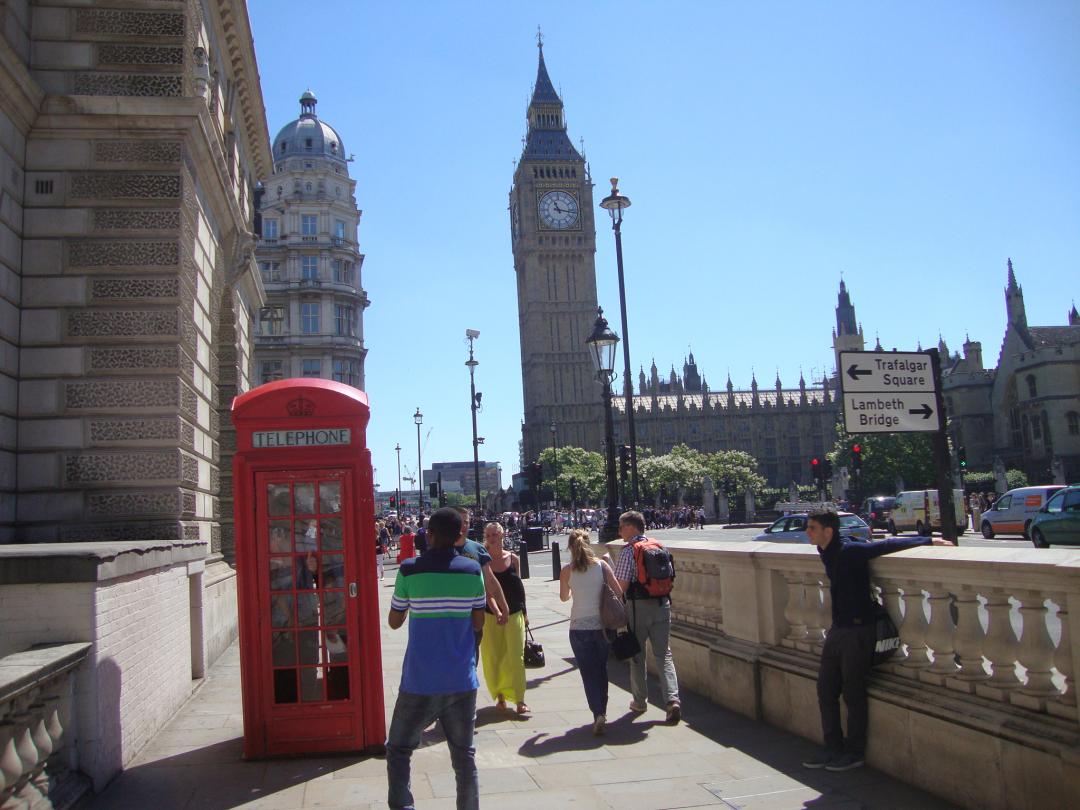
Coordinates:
column 609, row 531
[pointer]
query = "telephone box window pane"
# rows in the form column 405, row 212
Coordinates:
column 307, row 608
column 334, row 609
column 277, row 499
column 333, row 570
column 284, row 647
column 284, row 686
column 306, row 569
column 280, row 542
column 311, row 690
column 281, row 610
column 331, row 534
column 281, row 574
column 337, row 651
column 337, row 683
column 309, row 647
column 304, row 499
column 330, row 497
column 305, row 534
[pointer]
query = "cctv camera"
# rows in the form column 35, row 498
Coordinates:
column 472, row 333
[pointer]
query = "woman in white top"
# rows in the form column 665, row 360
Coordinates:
column 583, row 578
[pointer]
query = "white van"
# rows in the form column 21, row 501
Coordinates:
column 909, row 512
column 1013, row 511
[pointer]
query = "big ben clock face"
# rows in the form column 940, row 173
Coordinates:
column 558, row 210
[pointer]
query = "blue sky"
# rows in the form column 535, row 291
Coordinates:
column 768, row 148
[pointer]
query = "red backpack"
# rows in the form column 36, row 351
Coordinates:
column 655, row 569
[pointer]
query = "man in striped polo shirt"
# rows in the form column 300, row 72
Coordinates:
column 445, row 594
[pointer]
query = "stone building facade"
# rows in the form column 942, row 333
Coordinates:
column 1026, row 410
column 312, row 324
column 131, row 138
column 553, row 236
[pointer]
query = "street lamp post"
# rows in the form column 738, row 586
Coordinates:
column 397, row 499
column 419, row 419
column 602, row 344
column 474, row 405
column 555, row 449
column 614, row 204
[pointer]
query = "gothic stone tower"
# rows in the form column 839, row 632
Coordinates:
column 553, row 235
column 848, row 335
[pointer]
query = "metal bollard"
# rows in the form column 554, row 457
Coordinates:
column 556, row 563
column 523, row 558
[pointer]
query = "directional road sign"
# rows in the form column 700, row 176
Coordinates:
column 914, row 412
column 898, row 372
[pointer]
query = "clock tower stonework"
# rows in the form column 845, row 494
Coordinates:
column 553, row 234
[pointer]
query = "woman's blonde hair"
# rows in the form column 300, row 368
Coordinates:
column 581, row 552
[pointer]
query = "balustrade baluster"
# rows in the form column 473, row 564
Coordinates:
column 1036, row 648
column 24, row 743
column 1063, row 660
column 890, row 598
column 710, row 597
column 939, row 636
column 40, row 734
column 970, row 636
column 1000, row 646
column 793, row 609
column 817, row 620
column 10, row 762
column 913, row 630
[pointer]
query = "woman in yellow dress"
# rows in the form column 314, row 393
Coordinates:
column 502, row 648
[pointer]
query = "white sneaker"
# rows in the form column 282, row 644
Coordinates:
column 598, row 725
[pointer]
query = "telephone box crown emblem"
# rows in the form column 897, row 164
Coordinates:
column 300, row 407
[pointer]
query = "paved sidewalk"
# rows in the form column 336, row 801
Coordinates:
column 715, row 758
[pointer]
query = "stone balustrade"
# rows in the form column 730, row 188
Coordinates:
column 38, row 757
column 984, row 681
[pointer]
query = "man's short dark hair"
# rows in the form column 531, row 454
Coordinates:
column 827, row 519
column 443, row 527
column 634, row 518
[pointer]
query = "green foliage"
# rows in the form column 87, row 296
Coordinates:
column 887, row 456
column 984, row 481
column 584, row 467
column 734, row 471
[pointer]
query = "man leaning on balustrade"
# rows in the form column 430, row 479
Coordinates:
column 849, row 644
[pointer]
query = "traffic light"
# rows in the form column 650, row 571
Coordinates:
column 433, row 490
column 826, row 470
column 856, row 457
column 815, row 468
column 393, row 502
column 961, row 454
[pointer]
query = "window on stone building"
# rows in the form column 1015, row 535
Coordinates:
column 1072, row 419
column 310, row 368
column 272, row 320
column 271, row 272
column 1014, row 427
column 1026, row 423
column 1033, row 389
column 307, row 144
column 344, row 319
column 309, row 224
column 343, row 271
column 307, row 187
column 1036, row 429
column 347, row 371
column 309, row 317
column 339, row 229
column 309, row 268
column 270, row 230
column 271, row 371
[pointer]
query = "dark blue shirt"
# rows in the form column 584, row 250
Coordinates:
column 847, row 563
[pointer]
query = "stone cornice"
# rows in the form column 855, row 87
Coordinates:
column 20, row 95
column 231, row 18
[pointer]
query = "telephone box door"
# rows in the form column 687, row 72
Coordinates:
column 308, row 577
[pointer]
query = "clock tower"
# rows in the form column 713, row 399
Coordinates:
column 553, row 235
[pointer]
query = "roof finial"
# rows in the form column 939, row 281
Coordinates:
column 540, row 39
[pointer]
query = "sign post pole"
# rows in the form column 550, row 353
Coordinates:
column 942, row 462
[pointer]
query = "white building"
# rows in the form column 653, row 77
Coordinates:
column 312, row 325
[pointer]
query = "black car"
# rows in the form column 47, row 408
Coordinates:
column 875, row 511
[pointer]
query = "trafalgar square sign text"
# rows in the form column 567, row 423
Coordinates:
column 889, row 392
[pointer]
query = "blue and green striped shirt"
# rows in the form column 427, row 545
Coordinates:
column 440, row 590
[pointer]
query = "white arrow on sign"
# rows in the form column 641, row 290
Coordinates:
column 886, row 371
column 890, row 413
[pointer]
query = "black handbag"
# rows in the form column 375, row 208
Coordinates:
column 534, row 652
column 886, row 636
column 625, row 645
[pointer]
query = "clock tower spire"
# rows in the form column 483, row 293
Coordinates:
column 553, row 237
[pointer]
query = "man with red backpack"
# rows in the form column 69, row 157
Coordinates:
column 646, row 573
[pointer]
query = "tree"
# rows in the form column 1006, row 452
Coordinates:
column 887, row 457
column 983, row 481
column 584, row 467
column 734, row 471
column 682, row 468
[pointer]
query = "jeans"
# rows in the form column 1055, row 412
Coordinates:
column 845, row 666
column 591, row 652
column 651, row 621
column 412, row 714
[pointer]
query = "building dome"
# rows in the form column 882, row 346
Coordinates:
column 308, row 136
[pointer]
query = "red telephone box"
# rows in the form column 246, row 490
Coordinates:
column 310, row 653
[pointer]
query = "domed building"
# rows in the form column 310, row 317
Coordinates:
column 312, row 324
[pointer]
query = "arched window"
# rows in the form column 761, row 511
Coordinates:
column 1033, row 389
column 1072, row 419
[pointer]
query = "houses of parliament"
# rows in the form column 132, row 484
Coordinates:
column 1024, row 412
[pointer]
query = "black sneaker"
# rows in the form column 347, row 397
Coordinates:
column 821, row 760
column 845, row 762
